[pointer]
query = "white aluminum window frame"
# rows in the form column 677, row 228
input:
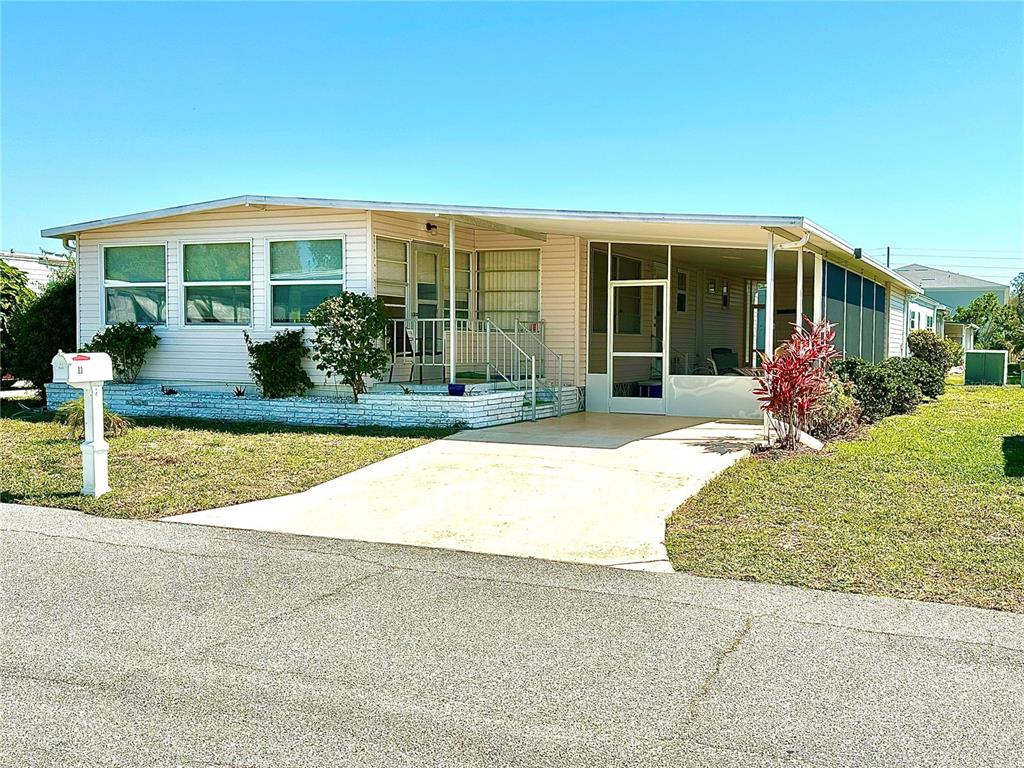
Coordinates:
column 682, row 289
column 407, row 244
column 104, row 283
column 269, row 300
column 476, row 301
column 184, row 285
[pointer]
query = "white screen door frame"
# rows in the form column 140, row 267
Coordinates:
column 630, row 404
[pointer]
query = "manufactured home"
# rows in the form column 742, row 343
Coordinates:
column 659, row 313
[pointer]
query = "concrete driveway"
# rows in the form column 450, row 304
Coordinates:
column 592, row 488
column 132, row 643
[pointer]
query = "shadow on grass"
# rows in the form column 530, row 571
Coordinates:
column 274, row 428
column 1013, row 455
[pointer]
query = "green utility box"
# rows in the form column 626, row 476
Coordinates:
column 986, row 366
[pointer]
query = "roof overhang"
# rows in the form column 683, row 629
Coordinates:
column 707, row 230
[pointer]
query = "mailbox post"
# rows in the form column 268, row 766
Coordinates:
column 87, row 371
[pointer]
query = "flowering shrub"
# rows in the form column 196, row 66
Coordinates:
column 793, row 381
column 127, row 344
column 349, row 330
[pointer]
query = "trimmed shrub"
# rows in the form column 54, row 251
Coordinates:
column 72, row 415
column 349, row 330
column 40, row 329
column 925, row 345
column 835, row 414
column 127, row 344
column 845, row 369
column 883, row 390
column 956, row 353
column 276, row 365
column 929, row 379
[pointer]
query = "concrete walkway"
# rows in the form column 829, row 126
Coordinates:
column 133, row 643
column 592, row 488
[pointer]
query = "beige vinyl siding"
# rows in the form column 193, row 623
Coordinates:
column 723, row 326
column 208, row 354
column 897, row 320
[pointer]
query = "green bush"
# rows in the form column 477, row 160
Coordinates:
column 15, row 295
column 349, row 331
column 845, row 369
column 276, row 365
column 41, row 328
column 956, row 353
column 883, row 390
column 127, row 345
column 72, row 415
column 835, row 414
column 929, row 379
column 925, row 345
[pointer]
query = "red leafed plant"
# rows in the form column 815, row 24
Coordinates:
column 795, row 378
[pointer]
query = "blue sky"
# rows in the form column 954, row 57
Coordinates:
column 895, row 124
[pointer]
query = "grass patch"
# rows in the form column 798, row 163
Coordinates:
column 171, row 466
column 928, row 506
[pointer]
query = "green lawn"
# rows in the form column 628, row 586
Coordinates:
column 165, row 467
column 928, row 506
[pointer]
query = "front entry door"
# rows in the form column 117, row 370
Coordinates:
column 637, row 316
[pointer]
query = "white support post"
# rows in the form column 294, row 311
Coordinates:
column 451, row 295
column 95, row 480
column 800, row 287
column 819, row 276
column 769, row 299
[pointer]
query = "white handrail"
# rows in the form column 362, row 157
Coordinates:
column 539, row 341
column 426, row 343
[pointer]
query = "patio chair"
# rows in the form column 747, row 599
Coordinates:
column 705, row 367
column 726, row 361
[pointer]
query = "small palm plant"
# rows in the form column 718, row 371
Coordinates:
column 72, row 415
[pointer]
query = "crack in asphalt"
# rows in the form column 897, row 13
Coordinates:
column 386, row 567
column 704, row 690
column 294, row 609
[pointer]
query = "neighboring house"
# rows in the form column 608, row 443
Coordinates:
column 962, row 333
column 950, row 288
column 37, row 266
column 927, row 313
column 650, row 312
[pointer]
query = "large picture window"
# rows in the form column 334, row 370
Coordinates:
column 508, row 286
column 303, row 273
column 135, row 284
column 218, row 283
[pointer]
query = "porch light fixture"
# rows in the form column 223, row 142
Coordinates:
column 431, row 227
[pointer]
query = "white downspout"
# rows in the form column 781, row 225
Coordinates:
column 797, row 245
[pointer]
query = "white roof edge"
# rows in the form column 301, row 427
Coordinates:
column 482, row 211
column 439, row 208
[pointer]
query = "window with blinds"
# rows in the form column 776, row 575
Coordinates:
column 508, row 286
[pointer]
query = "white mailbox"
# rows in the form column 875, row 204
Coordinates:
column 87, row 371
column 77, row 368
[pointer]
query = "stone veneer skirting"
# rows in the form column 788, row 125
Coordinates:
column 390, row 409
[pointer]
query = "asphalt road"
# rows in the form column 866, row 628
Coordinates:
column 160, row 644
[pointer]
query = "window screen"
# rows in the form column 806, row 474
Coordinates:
column 134, row 284
column 509, row 286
